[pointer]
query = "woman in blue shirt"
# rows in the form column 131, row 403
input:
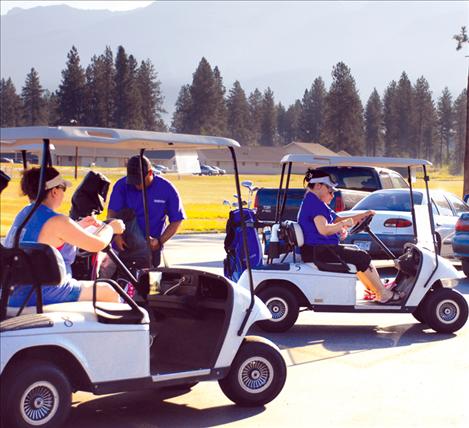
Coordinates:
column 323, row 229
column 59, row 231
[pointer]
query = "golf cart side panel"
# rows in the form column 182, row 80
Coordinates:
column 242, row 298
column 103, row 350
column 319, row 287
column 425, row 279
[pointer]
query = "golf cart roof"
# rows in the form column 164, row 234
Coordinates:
column 108, row 138
column 317, row 161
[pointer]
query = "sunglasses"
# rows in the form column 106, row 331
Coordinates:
column 61, row 187
column 330, row 190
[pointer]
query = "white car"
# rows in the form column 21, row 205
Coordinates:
column 393, row 222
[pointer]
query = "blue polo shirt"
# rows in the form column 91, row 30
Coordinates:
column 311, row 207
column 162, row 199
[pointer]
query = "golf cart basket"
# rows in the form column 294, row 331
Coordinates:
column 235, row 263
column 90, row 196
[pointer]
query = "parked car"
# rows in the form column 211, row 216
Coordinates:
column 355, row 182
column 207, row 170
column 219, row 170
column 162, row 168
column 393, row 224
column 6, row 160
column 461, row 242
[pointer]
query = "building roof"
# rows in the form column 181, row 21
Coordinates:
column 314, row 148
column 243, row 154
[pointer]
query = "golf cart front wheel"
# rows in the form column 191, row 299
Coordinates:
column 446, row 310
column 257, row 375
column 283, row 306
column 35, row 393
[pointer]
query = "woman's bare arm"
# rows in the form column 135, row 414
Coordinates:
column 326, row 229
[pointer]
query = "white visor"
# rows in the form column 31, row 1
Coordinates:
column 324, row 180
column 57, row 181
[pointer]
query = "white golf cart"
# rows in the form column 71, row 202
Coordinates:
column 185, row 326
column 425, row 278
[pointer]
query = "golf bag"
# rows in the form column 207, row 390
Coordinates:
column 235, row 263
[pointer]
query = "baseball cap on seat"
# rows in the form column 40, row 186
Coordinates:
column 133, row 169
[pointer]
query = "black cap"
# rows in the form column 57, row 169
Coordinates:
column 133, row 169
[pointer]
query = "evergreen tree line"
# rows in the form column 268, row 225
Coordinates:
column 111, row 92
column 405, row 121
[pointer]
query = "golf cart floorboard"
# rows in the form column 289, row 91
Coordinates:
column 364, row 306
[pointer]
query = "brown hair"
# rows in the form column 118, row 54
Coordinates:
column 313, row 173
column 30, row 180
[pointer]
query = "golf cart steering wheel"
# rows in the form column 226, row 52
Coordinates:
column 360, row 227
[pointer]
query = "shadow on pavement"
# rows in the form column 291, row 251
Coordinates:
column 319, row 342
column 145, row 409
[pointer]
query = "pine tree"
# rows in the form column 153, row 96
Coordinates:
column 404, row 110
column 238, row 115
column 182, row 113
column 221, row 109
column 10, row 104
column 391, row 126
column 51, row 108
column 151, row 97
column 292, row 122
column 445, row 123
column 312, row 115
column 100, row 90
column 424, row 114
column 459, row 109
column 32, row 99
column 344, row 124
column 134, row 118
column 374, row 125
column 122, row 86
column 71, row 93
column 269, row 120
column 255, row 113
column 282, row 123
column 204, row 106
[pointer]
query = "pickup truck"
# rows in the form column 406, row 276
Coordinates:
column 354, row 184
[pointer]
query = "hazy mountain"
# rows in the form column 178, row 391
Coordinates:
column 281, row 45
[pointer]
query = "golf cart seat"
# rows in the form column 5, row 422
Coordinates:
column 295, row 238
column 31, row 263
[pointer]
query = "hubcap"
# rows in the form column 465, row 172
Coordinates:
column 255, row 375
column 447, row 311
column 278, row 308
column 39, row 403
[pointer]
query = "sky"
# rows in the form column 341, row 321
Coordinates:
column 5, row 6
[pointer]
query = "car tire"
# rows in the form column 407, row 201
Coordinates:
column 445, row 310
column 283, row 306
column 465, row 267
column 35, row 393
column 256, row 376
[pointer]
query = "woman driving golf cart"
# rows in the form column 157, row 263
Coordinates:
column 322, row 230
column 49, row 227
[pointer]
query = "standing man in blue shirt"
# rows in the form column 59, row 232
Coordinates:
column 163, row 203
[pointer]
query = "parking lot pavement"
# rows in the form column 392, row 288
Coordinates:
column 344, row 371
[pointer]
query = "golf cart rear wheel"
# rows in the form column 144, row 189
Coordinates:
column 257, row 375
column 36, row 393
column 419, row 314
column 446, row 310
column 283, row 306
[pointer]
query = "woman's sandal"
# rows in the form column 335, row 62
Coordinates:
column 395, row 298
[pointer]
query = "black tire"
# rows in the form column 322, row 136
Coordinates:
column 445, row 310
column 419, row 314
column 465, row 267
column 257, row 374
column 283, row 306
column 35, row 391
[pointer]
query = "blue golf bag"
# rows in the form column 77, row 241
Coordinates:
column 235, row 263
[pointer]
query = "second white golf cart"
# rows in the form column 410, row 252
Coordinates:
column 190, row 325
column 425, row 278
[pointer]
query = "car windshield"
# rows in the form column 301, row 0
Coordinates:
column 353, row 178
column 389, row 201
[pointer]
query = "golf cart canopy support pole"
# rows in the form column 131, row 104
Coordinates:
column 245, row 242
column 412, row 204
column 25, row 161
column 145, row 208
column 41, row 191
column 277, row 207
column 285, row 194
